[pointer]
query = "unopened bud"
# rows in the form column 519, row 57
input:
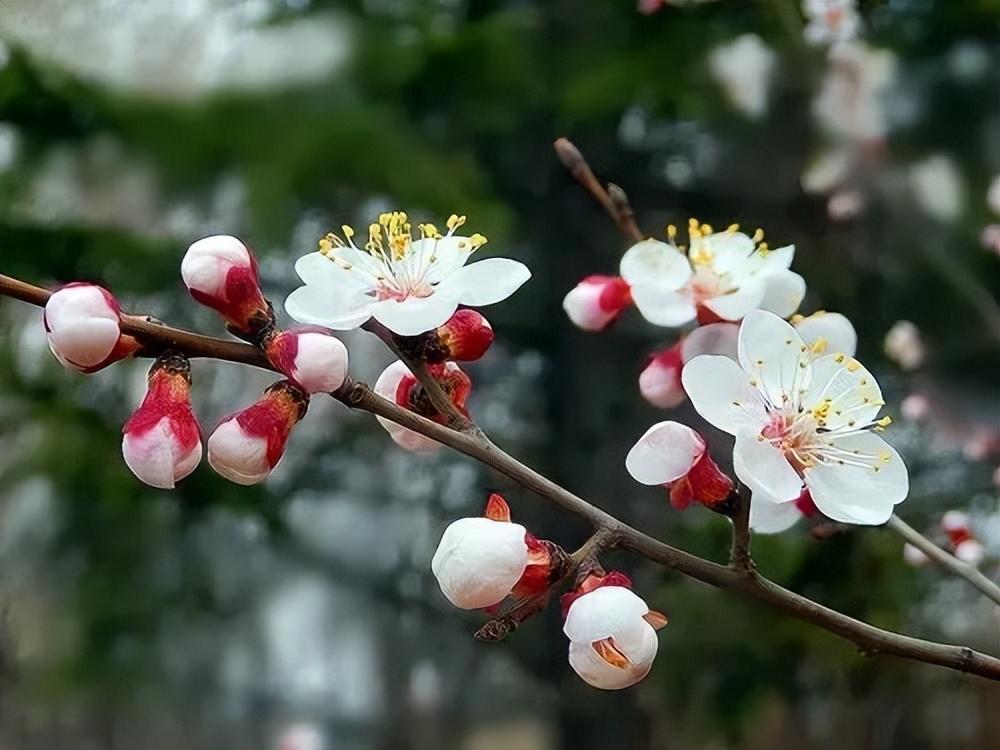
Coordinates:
column 83, row 327
column 597, row 301
column 464, row 338
column 309, row 357
column 400, row 386
column 248, row 445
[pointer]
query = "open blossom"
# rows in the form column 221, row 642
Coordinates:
column 399, row 385
column 831, row 21
column 611, row 631
column 310, row 357
column 162, row 441
column 479, row 562
column 221, row 273
column 722, row 276
column 744, row 68
column 676, row 456
column 248, row 445
column 801, row 422
column 904, row 345
column 464, row 337
column 851, row 101
column 597, row 301
column 408, row 285
column 660, row 380
column 83, row 327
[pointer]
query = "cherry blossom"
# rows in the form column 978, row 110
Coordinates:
column 248, row 445
column 674, row 455
column 220, row 272
column 162, row 442
column 479, row 562
column 722, row 276
column 399, row 385
column 612, row 632
column 801, row 422
column 83, row 327
column 310, row 357
column 408, row 285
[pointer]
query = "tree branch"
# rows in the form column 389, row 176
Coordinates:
column 739, row 555
column 615, row 533
column 947, row 561
column 613, row 200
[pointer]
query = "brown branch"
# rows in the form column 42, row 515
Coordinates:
column 612, row 199
column 739, row 555
column 949, row 562
column 869, row 639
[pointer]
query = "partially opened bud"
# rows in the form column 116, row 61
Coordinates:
column 612, row 632
column 674, row 455
column 248, row 445
column 399, row 385
column 162, row 442
column 83, row 327
column 660, row 381
column 221, row 273
column 309, row 357
column 595, row 302
column 479, row 561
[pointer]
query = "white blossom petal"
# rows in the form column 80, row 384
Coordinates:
column 665, row 453
column 340, row 309
column 606, row 612
column 854, row 397
column 714, row 338
column 478, row 561
column 827, row 333
column 764, row 469
column 723, row 394
column 661, row 305
column 783, row 293
column 598, row 673
column 775, row 354
column 415, row 315
column 737, row 304
column 654, row 262
column 485, row 282
column 769, row 517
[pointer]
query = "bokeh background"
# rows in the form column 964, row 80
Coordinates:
column 301, row 614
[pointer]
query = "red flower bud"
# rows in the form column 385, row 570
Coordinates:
column 597, row 301
column 310, row 357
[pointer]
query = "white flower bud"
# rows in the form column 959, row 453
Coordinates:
column 82, row 325
column 478, row 561
column 596, row 301
column 312, row 358
column 208, row 261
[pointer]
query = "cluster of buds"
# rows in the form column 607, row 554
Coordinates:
column 481, row 563
column 959, row 540
column 162, row 439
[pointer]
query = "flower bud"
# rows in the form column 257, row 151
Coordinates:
column 399, row 385
column 660, row 381
column 674, row 455
column 904, row 345
column 83, row 327
column 162, row 441
column 248, row 445
column 612, row 632
column 595, row 302
column 310, row 357
column 221, row 273
column 464, row 338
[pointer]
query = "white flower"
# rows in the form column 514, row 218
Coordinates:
column 612, row 644
column 850, row 103
column 83, row 327
column 595, row 302
column 904, row 346
column 478, row 561
column 397, row 384
column 744, row 68
column 660, row 380
column 938, row 187
column 825, row 333
column 721, row 277
column 831, row 21
column 799, row 421
column 410, row 286
column 312, row 358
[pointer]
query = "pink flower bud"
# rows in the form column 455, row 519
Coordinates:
column 399, row 385
column 612, row 632
column 674, row 455
column 247, row 446
column 595, row 302
column 309, row 357
column 83, row 327
column 660, row 380
column 162, row 442
column 465, row 337
column 221, row 273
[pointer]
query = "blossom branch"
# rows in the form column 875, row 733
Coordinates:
column 947, row 561
column 613, row 199
column 739, row 556
column 869, row 639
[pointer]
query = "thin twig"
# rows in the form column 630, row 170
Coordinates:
column 612, row 199
column 870, row 640
column 947, row 561
column 739, row 556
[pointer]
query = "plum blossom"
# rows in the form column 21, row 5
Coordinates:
column 221, row 272
column 83, row 327
column 310, row 357
column 904, row 345
column 479, row 562
column 408, row 285
column 401, row 387
column 612, row 632
column 722, row 276
column 800, row 422
column 660, row 380
column 674, row 455
column 162, row 442
column 744, row 68
column 938, row 187
column 248, row 445
column 831, row 21
column 596, row 302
